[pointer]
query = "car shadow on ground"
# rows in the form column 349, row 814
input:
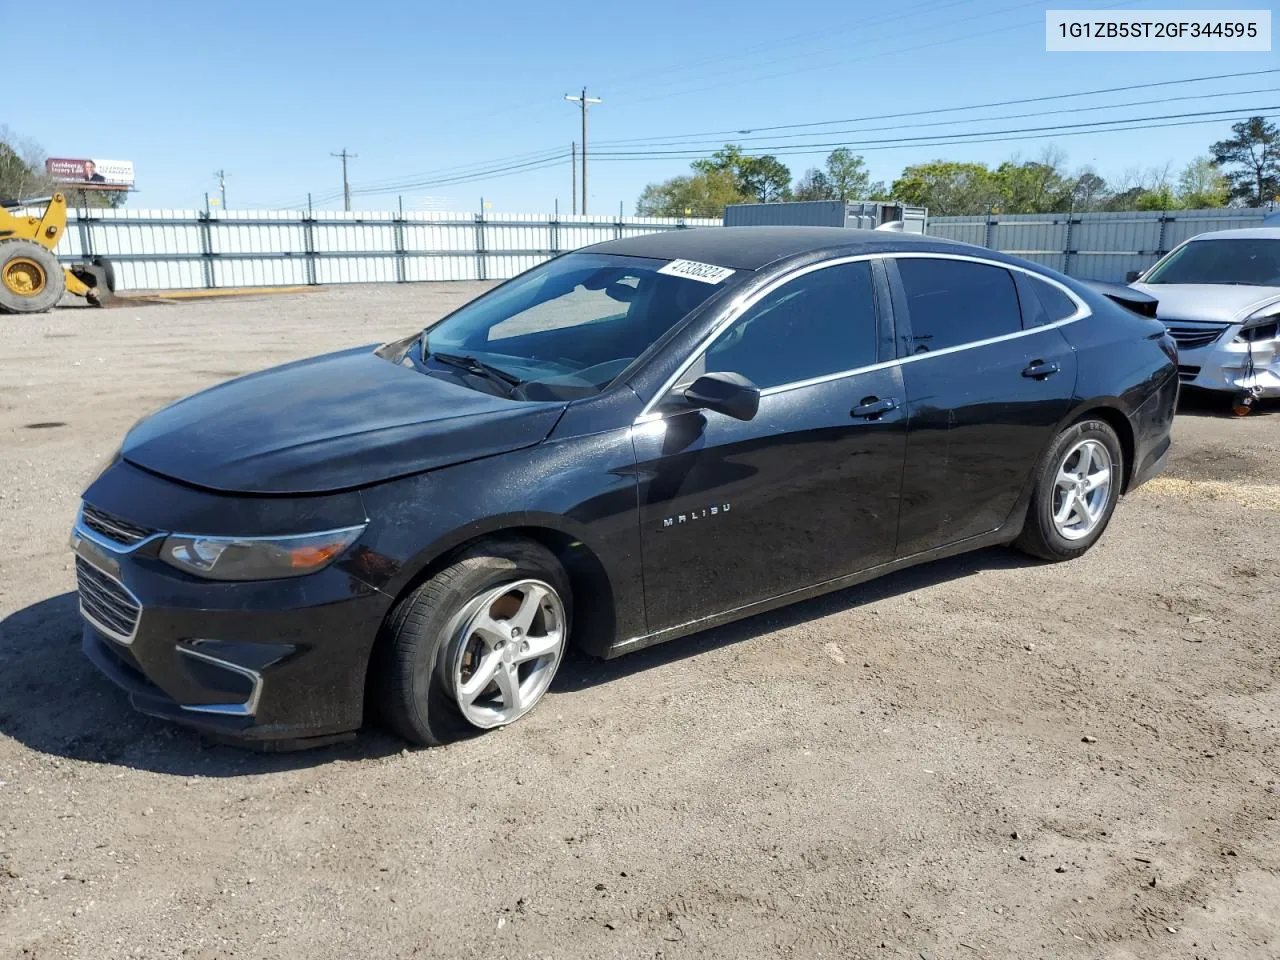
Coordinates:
column 580, row 671
column 54, row 702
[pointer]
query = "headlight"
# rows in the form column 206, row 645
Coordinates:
column 1263, row 325
column 257, row 558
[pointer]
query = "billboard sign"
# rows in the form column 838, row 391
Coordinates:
column 91, row 174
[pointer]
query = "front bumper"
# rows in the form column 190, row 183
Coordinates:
column 276, row 661
column 1222, row 366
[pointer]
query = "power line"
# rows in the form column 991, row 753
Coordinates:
column 753, row 66
column 862, row 57
column 984, row 136
column 740, row 141
column 935, row 110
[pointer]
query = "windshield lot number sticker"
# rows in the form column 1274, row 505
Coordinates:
column 693, row 270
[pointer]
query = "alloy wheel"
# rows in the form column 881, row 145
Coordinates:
column 1081, row 489
column 510, row 642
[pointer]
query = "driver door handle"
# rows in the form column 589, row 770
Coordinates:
column 1038, row 370
column 872, row 408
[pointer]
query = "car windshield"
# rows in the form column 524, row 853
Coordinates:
column 1242, row 261
column 567, row 328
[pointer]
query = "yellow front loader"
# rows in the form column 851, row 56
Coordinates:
column 31, row 279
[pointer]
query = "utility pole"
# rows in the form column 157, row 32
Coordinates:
column 346, row 186
column 583, row 101
column 222, row 185
column 573, row 161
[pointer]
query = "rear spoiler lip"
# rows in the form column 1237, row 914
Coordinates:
column 1129, row 298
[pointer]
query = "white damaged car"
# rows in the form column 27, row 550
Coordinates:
column 1219, row 297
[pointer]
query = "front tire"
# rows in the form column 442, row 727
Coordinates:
column 31, row 279
column 1076, row 490
column 474, row 647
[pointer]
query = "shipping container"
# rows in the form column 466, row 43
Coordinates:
column 856, row 214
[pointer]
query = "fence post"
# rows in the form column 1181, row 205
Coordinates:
column 86, row 234
column 990, row 240
column 309, row 246
column 480, row 258
column 553, row 232
column 398, row 229
column 1066, row 253
column 206, row 247
column 1164, row 221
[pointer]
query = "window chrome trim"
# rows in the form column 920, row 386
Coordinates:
column 737, row 309
column 246, row 709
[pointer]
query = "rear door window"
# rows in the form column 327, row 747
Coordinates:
column 954, row 302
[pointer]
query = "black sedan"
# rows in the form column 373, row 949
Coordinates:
column 624, row 445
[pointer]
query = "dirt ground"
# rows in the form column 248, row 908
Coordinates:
column 980, row 758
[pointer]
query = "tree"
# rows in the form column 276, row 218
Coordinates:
column 947, row 188
column 1034, row 186
column 1202, row 184
column 1255, row 151
column 764, row 179
column 848, row 176
column 1090, row 190
column 700, row 195
column 21, row 168
column 814, row 185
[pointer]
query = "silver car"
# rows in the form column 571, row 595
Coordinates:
column 1219, row 297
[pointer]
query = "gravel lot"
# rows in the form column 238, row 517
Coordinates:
column 980, row 758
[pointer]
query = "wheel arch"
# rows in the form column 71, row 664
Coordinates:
column 594, row 607
column 1112, row 411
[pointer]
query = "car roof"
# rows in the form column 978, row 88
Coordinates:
column 1241, row 233
column 749, row 248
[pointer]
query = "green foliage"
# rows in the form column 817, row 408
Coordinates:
column 1202, row 184
column 21, row 168
column 1250, row 159
column 703, row 194
column 1160, row 198
column 814, row 185
column 762, row 179
column 947, row 188
column 848, row 176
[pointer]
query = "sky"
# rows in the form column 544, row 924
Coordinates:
column 268, row 90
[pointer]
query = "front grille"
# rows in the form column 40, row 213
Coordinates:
column 106, row 603
column 1190, row 338
column 1187, row 373
column 113, row 528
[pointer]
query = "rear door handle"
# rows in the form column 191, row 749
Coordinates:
column 1038, row 370
column 873, row 408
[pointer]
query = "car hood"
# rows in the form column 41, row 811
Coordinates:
column 332, row 422
column 1211, row 302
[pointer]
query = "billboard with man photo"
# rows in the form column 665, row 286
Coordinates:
column 93, row 174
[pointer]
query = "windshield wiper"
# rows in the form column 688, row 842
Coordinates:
column 478, row 367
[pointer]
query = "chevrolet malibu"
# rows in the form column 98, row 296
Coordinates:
column 619, row 447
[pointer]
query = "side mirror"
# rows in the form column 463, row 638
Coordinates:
column 1132, row 276
column 729, row 393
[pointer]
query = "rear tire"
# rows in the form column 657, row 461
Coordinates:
column 444, row 632
column 1076, row 489
column 31, row 279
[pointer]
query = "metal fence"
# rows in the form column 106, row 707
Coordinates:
column 1092, row 246
column 191, row 249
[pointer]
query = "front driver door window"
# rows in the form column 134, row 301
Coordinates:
column 733, row 512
